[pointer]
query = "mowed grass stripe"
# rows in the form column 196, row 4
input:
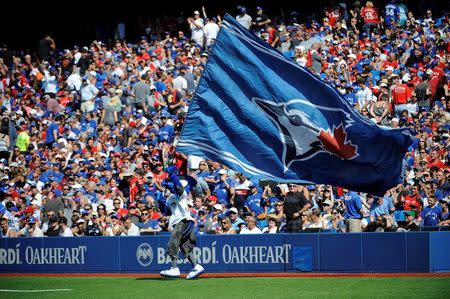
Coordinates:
column 213, row 288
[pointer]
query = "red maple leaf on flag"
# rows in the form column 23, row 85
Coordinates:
column 336, row 143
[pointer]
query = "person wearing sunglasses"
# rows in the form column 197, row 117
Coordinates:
column 336, row 223
column 148, row 226
column 296, row 202
column 225, row 227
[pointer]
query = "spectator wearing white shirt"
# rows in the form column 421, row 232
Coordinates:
column 364, row 96
column 117, row 71
column 65, row 231
column 300, row 56
column 76, row 54
column 180, row 83
column 129, row 228
column 243, row 18
column 317, row 221
column 51, row 83
column 88, row 94
column 272, row 228
column 251, row 227
column 74, row 81
column 210, row 30
column 196, row 24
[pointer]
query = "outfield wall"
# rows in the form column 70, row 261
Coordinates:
column 366, row 252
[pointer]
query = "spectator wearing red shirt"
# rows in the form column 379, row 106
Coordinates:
column 434, row 159
column 411, row 199
column 273, row 35
column 435, row 75
column 144, row 56
column 158, row 174
column 391, row 61
column 332, row 14
column 401, row 94
column 370, row 16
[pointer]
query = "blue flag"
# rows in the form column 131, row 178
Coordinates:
column 263, row 115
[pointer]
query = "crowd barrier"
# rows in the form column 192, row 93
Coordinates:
column 351, row 252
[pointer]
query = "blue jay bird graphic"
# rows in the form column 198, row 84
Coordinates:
column 304, row 131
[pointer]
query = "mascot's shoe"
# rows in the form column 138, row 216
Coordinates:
column 172, row 273
column 198, row 269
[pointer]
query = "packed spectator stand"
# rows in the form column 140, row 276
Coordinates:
column 88, row 134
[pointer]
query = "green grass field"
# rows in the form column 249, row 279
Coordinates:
column 213, row 288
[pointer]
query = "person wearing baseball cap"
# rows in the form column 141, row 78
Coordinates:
column 234, row 218
column 261, row 20
column 196, row 25
column 243, row 18
column 31, row 229
column 410, row 224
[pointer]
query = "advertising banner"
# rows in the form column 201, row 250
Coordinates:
column 374, row 252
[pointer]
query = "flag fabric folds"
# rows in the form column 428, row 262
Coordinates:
column 263, row 115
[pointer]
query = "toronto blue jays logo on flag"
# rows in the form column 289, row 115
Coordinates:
column 305, row 132
column 262, row 114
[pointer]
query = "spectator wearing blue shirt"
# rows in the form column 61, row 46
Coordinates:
column 432, row 214
column 445, row 215
column 353, row 211
column 235, row 219
column 55, row 174
column 379, row 207
column 148, row 226
column 89, row 123
column 224, row 188
column 382, row 207
column 152, row 138
column 203, row 170
column 52, row 132
column 253, row 204
column 149, row 186
column 350, row 96
column 101, row 77
column 166, row 129
column 271, row 197
column 336, row 223
column 391, row 13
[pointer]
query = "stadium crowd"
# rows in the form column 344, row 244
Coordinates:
column 88, row 134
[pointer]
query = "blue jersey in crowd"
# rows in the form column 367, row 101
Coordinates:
column 381, row 209
column 253, row 202
column 431, row 215
column 353, row 204
column 391, row 12
column 49, row 138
